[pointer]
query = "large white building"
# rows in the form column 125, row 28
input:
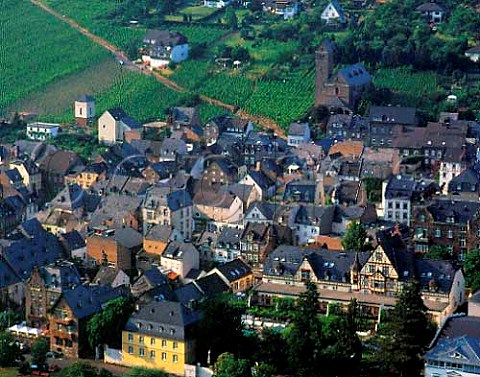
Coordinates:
column 162, row 47
column 113, row 125
column 42, row 131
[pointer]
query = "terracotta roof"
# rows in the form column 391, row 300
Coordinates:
column 330, row 243
column 347, row 149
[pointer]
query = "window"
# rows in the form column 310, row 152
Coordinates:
column 164, row 343
column 175, row 358
column 130, row 337
column 164, row 356
column 152, row 354
column 450, row 234
column 141, row 339
column 141, row 352
column 175, row 345
column 438, row 233
column 421, row 218
column 152, row 341
column 130, row 350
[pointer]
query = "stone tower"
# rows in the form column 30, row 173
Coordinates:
column 323, row 69
column 84, row 110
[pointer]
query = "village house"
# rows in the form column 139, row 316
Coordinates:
column 217, row 210
column 55, row 167
column 112, row 277
column 384, row 119
column 115, row 125
column 113, row 247
column 236, row 274
column 160, row 335
column 297, row 134
column 261, row 183
column 156, row 238
column 30, row 173
column 175, row 209
column 162, row 47
column 227, row 246
column 42, row 131
column 70, row 313
column 90, row 175
column 285, row 8
column 432, row 11
column 333, row 13
column 216, row 3
column 373, row 279
column 180, row 258
column 312, row 221
column 454, row 224
column 43, row 289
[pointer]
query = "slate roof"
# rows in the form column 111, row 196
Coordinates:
column 188, row 293
column 234, row 270
column 460, row 325
column 430, row 7
column 400, row 187
column 355, row 75
column 128, row 237
column 159, row 233
column 440, row 272
column 86, row 300
column 8, row 276
column 402, row 258
column 165, row 319
column 466, row 181
column 24, row 254
column 164, row 38
column 85, row 98
column 461, row 210
column 229, row 236
column 164, row 168
column 261, row 179
column 31, row 228
column 155, row 277
column 461, row 350
column 393, row 114
column 242, row 191
column 106, row 275
column 179, row 199
column 314, row 215
column 300, row 191
column 338, row 8
column 176, row 249
column 183, row 114
column 297, row 129
column 120, row 115
column 73, row 240
column 62, row 275
column 210, row 198
column 285, row 260
column 473, row 50
column 211, row 285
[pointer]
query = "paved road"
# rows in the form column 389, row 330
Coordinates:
column 122, row 57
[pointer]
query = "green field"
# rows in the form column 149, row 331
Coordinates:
column 37, row 50
column 283, row 100
column 229, row 87
column 8, row 372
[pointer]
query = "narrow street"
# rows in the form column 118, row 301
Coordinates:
column 121, row 56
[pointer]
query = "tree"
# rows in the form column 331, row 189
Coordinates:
column 471, row 267
column 406, row 335
column 438, row 252
column 106, row 327
column 79, row 369
column 39, row 351
column 105, row 373
column 220, row 330
column 228, row 366
column 145, row 372
column 304, row 337
column 355, row 237
column 231, row 18
column 8, row 350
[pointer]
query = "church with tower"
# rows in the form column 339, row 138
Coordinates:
column 340, row 90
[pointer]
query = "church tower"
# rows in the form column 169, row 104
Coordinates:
column 323, row 69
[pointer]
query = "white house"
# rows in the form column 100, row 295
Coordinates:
column 298, row 133
column 216, row 3
column 262, row 184
column 180, row 258
column 432, row 12
column 42, row 131
column 113, row 124
column 333, row 13
column 164, row 46
column 473, row 54
column 285, row 8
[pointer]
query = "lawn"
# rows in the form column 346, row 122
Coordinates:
column 37, row 50
column 410, row 88
column 8, row 372
column 198, row 12
column 55, row 102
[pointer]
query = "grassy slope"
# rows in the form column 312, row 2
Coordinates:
column 36, row 49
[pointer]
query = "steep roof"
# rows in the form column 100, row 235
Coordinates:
column 165, row 38
column 234, row 270
column 355, row 75
column 85, row 98
column 464, row 350
column 297, row 129
column 432, row 6
column 120, row 115
column 393, row 114
column 462, row 211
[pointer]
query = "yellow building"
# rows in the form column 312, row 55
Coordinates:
column 158, row 336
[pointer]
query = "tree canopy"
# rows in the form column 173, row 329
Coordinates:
column 355, row 237
column 471, row 268
column 40, row 347
column 406, row 334
column 8, row 350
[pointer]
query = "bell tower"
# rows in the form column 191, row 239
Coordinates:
column 323, row 69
